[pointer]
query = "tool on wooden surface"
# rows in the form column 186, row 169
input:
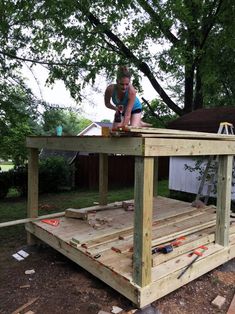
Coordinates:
column 178, row 241
column 52, row 222
column 198, row 254
column 118, row 114
column 165, row 249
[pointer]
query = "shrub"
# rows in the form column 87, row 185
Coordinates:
column 5, row 184
column 54, row 174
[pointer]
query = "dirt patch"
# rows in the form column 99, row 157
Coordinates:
column 61, row 286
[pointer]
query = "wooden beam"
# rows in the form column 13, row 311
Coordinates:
column 103, row 179
column 142, row 256
column 89, row 144
column 223, row 200
column 155, row 178
column 32, row 206
column 187, row 147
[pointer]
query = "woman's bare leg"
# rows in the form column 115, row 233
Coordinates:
column 136, row 119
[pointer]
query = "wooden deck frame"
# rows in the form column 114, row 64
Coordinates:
column 142, row 290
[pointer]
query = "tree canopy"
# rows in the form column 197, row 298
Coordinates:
column 185, row 47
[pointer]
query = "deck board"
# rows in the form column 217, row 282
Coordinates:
column 111, row 245
column 173, row 214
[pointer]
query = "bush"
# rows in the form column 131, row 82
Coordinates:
column 54, row 175
column 5, row 184
column 19, row 179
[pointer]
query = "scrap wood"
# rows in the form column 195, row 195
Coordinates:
column 231, row 309
column 23, row 307
column 218, row 302
column 82, row 213
column 128, row 205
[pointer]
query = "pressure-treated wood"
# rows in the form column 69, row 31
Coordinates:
column 89, row 144
column 155, row 177
column 118, row 249
column 32, row 206
column 224, row 199
column 143, row 220
column 103, row 178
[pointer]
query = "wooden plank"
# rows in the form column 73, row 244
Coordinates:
column 169, row 283
column 166, row 235
column 103, row 179
column 109, row 276
column 187, row 147
column 23, row 307
column 82, row 212
column 155, row 178
column 192, row 136
column 231, row 309
column 179, row 133
column 223, row 199
column 89, row 144
column 25, row 220
column 192, row 242
column 127, row 232
column 143, row 220
column 180, row 262
column 32, row 204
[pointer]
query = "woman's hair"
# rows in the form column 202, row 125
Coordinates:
column 123, row 71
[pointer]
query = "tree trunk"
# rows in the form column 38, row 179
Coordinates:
column 198, row 99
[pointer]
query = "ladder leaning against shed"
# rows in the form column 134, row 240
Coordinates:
column 212, row 163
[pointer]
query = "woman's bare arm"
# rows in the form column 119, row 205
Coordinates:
column 130, row 104
column 107, row 97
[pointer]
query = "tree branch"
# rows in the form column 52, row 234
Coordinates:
column 4, row 53
column 142, row 66
column 157, row 20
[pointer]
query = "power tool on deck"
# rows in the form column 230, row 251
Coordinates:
column 118, row 114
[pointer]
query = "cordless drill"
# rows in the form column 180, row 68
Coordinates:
column 118, row 114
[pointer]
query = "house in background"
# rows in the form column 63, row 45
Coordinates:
column 95, row 128
column 202, row 120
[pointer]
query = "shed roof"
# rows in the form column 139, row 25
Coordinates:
column 204, row 120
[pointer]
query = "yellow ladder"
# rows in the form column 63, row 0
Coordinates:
column 224, row 128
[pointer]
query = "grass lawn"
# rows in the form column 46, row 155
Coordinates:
column 13, row 208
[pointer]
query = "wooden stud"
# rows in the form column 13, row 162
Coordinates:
column 155, row 178
column 103, row 179
column 142, row 256
column 223, row 199
column 32, row 207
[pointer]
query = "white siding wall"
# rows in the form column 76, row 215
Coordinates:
column 94, row 130
column 183, row 180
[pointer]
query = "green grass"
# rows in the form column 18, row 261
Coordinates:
column 13, row 208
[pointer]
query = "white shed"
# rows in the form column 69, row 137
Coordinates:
column 202, row 120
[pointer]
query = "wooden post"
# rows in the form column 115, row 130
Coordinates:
column 103, row 179
column 223, row 199
column 32, row 209
column 155, row 178
column 143, row 220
